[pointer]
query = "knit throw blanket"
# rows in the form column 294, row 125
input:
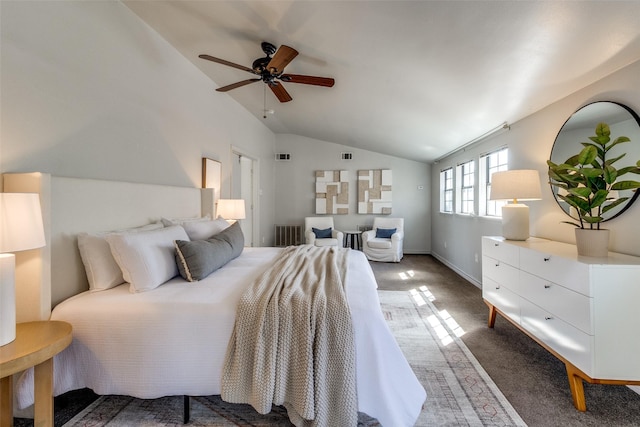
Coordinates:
column 293, row 342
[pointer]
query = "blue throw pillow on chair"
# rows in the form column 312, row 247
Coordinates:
column 384, row 233
column 322, row 234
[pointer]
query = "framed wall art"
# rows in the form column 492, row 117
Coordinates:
column 332, row 192
column 374, row 191
column 212, row 176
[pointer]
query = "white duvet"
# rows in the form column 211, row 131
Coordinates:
column 172, row 340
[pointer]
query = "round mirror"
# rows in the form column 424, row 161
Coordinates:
column 622, row 121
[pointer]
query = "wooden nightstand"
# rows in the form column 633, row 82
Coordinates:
column 35, row 345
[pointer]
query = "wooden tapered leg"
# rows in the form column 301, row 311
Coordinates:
column 43, row 377
column 6, row 401
column 577, row 389
column 492, row 315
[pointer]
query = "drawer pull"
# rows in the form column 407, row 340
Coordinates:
column 497, row 287
column 496, row 244
column 497, row 264
column 548, row 317
column 547, row 286
column 547, row 258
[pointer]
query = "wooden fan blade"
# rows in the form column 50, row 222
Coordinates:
column 283, row 56
column 235, row 85
column 308, row 80
column 223, row 62
column 280, row 92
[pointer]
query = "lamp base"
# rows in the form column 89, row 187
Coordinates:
column 7, row 298
column 515, row 221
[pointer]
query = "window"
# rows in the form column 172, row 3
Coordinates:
column 466, row 182
column 446, row 190
column 496, row 161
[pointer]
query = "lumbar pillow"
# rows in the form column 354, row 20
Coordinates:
column 385, row 233
column 201, row 230
column 102, row 269
column 147, row 258
column 197, row 259
column 322, row 234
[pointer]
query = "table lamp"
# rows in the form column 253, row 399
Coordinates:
column 231, row 209
column 523, row 184
column 20, row 229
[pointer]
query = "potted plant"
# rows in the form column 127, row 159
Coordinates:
column 589, row 182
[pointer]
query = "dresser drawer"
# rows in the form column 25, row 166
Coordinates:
column 495, row 248
column 571, row 273
column 500, row 272
column 568, row 305
column 502, row 298
column 570, row 342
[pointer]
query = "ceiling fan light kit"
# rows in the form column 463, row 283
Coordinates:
column 270, row 70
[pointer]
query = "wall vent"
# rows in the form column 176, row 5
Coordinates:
column 346, row 156
column 283, row 157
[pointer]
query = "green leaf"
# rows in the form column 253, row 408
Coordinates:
column 612, row 161
column 610, row 174
column 625, row 185
column 587, row 155
column 599, row 198
column 591, row 172
column 571, row 223
column 629, row 169
column 603, row 131
column 619, row 140
column 592, row 219
column 583, row 192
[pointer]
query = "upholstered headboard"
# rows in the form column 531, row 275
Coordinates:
column 73, row 205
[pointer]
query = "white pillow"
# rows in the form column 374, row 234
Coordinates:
column 168, row 222
column 102, row 270
column 202, row 230
column 147, row 259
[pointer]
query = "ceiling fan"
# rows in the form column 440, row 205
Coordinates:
column 270, row 70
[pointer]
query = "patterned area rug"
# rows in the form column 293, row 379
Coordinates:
column 459, row 392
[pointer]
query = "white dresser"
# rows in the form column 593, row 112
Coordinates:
column 585, row 311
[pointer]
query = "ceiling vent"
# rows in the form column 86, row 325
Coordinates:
column 283, row 157
column 346, row 156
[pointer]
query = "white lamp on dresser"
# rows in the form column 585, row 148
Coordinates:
column 20, row 229
column 516, row 185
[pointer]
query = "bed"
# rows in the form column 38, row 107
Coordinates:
column 172, row 340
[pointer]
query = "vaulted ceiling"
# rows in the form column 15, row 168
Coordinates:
column 413, row 79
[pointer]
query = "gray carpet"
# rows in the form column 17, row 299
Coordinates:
column 533, row 381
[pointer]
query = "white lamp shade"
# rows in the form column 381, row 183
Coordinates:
column 231, row 208
column 20, row 222
column 519, row 184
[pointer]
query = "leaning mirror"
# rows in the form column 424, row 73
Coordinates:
column 581, row 125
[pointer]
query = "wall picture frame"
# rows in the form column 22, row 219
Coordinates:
column 212, row 176
column 375, row 191
column 332, row 192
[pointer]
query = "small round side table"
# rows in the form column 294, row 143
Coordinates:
column 35, row 345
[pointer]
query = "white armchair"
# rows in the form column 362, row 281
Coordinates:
column 383, row 244
column 322, row 223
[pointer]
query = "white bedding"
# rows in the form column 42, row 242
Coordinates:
column 172, row 340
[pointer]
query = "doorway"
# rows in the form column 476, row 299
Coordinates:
column 244, row 185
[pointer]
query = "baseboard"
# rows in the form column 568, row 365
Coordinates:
column 456, row 270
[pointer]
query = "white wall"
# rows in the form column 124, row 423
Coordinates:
column 89, row 90
column 530, row 141
column 295, row 187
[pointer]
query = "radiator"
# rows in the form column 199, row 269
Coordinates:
column 288, row 235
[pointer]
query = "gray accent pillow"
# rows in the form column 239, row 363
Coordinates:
column 199, row 258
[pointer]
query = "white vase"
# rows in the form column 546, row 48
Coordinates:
column 591, row 242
